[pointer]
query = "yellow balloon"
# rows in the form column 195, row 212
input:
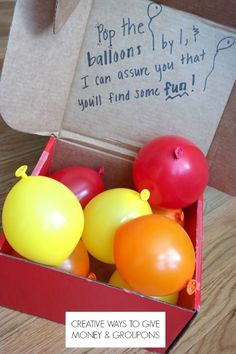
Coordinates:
column 117, row 280
column 105, row 213
column 42, row 219
column 170, row 299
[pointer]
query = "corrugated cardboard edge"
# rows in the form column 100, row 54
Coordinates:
column 63, row 10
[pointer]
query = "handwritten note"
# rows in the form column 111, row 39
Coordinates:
column 146, row 69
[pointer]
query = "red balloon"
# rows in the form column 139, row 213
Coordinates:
column 16, row 254
column 84, row 182
column 173, row 169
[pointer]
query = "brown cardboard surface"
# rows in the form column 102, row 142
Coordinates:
column 64, row 9
column 34, row 88
column 213, row 10
column 117, row 172
column 170, row 94
column 45, row 89
column 217, row 10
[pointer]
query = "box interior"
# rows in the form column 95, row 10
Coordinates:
column 117, row 173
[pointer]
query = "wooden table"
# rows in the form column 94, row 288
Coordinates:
column 212, row 331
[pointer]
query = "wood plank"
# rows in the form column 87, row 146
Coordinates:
column 16, row 149
column 10, row 321
column 39, row 336
column 220, row 339
column 218, row 301
column 213, row 199
column 6, row 12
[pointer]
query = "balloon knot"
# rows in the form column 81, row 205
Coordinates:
column 21, row 171
column 92, row 276
column 191, row 286
column 144, row 195
column 178, row 152
column 101, row 170
column 180, row 216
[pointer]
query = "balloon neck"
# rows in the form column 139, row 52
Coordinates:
column 180, row 216
column 21, row 171
column 101, row 171
column 144, row 195
column 178, row 152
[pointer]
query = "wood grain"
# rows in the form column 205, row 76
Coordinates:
column 212, row 331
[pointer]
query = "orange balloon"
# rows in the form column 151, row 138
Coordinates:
column 78, row 262
column 154, row 255
column 173, row 214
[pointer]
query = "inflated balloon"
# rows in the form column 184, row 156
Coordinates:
column 42, row 219
column 116, row 280
column 154, row 255
column 84, row 182
column 78, row 262
column 170, row 299
column 105, row 213
column 173, row 214
column 173, row 169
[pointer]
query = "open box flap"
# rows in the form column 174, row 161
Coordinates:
column 39, row 66
column 82, row 81
column 64, row 9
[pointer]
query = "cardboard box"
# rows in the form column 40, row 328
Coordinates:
column 81, row 86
